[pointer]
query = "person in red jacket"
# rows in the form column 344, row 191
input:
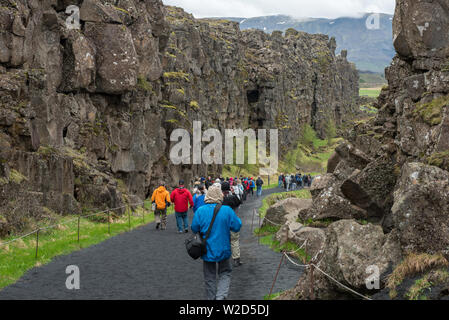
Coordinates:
column 182, row 197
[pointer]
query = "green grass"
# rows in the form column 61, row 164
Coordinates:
column 18, row 257
column 370, row 92
column 268, row 240
column 272, row 296
column 276, row 197
column 309, row 158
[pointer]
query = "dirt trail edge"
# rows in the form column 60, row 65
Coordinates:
column 149, row 264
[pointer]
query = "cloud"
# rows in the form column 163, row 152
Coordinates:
column 295, row 8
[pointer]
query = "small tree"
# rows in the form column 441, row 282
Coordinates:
column 308, row 136
column 331, row 131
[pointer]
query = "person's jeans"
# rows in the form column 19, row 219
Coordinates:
column 217, row 290
column 259, row 191
column 280, row 183
column 182, row 218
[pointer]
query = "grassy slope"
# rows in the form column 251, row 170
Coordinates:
column 371, row 79
column 303, row 159
column 370, row 92
column 18, row 257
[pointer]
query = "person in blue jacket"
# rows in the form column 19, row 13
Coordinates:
column 198, row 198
column 218, row 245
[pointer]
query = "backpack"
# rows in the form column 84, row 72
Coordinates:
column 197, row 246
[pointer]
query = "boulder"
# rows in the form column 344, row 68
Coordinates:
column 420, row 28
column 353, row 156
column 333, row 162
column 349, row 250
column 421, row 209
column 331, row 204
column 320, row 183
column 371, row 189
column 310, row 239
column 315, row 238
column 286, row 210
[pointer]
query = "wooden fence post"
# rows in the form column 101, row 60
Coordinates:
column 109, row 222
column 37, row 243
column 79, row 218
column 312, row 294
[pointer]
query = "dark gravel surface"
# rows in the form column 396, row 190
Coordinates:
column 150, row 264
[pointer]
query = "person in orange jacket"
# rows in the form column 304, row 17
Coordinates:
column 161, row 198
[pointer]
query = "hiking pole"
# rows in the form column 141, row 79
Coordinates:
column 37, row 243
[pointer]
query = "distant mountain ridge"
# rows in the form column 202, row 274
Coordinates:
column 370, row 49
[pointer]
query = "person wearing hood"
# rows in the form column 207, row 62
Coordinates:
column 259, row 184
column 198, row 198
column 161, row 197
column 182, row 198
column 231, row 199
column 218, row 245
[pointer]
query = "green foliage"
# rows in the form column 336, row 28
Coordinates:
column 416, row 292
column 323, row 60
column 370, row 92
column 331, row 131
column 144, row 84
column 16, row 177
column 272, row 296
column 439, row 159
column 194, row 104
column 431, row 112
column 177, row 75
column 308, row 136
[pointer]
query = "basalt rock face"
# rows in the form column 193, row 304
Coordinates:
column 86, row 114
column 394, row 167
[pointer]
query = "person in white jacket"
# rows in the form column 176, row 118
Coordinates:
column 238, row 190
column 288, row 180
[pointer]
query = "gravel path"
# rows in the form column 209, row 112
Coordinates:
column 149, row 264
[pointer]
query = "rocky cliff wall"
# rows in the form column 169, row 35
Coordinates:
column 388, row 184
column 86, row 115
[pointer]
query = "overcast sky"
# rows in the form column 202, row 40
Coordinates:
column 296, row 8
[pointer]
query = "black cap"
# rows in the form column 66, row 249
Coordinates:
column 225, row 186
column 181, row 182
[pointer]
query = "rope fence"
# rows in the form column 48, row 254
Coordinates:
column 78, row 219
column 311, row 266
column 285, row 254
